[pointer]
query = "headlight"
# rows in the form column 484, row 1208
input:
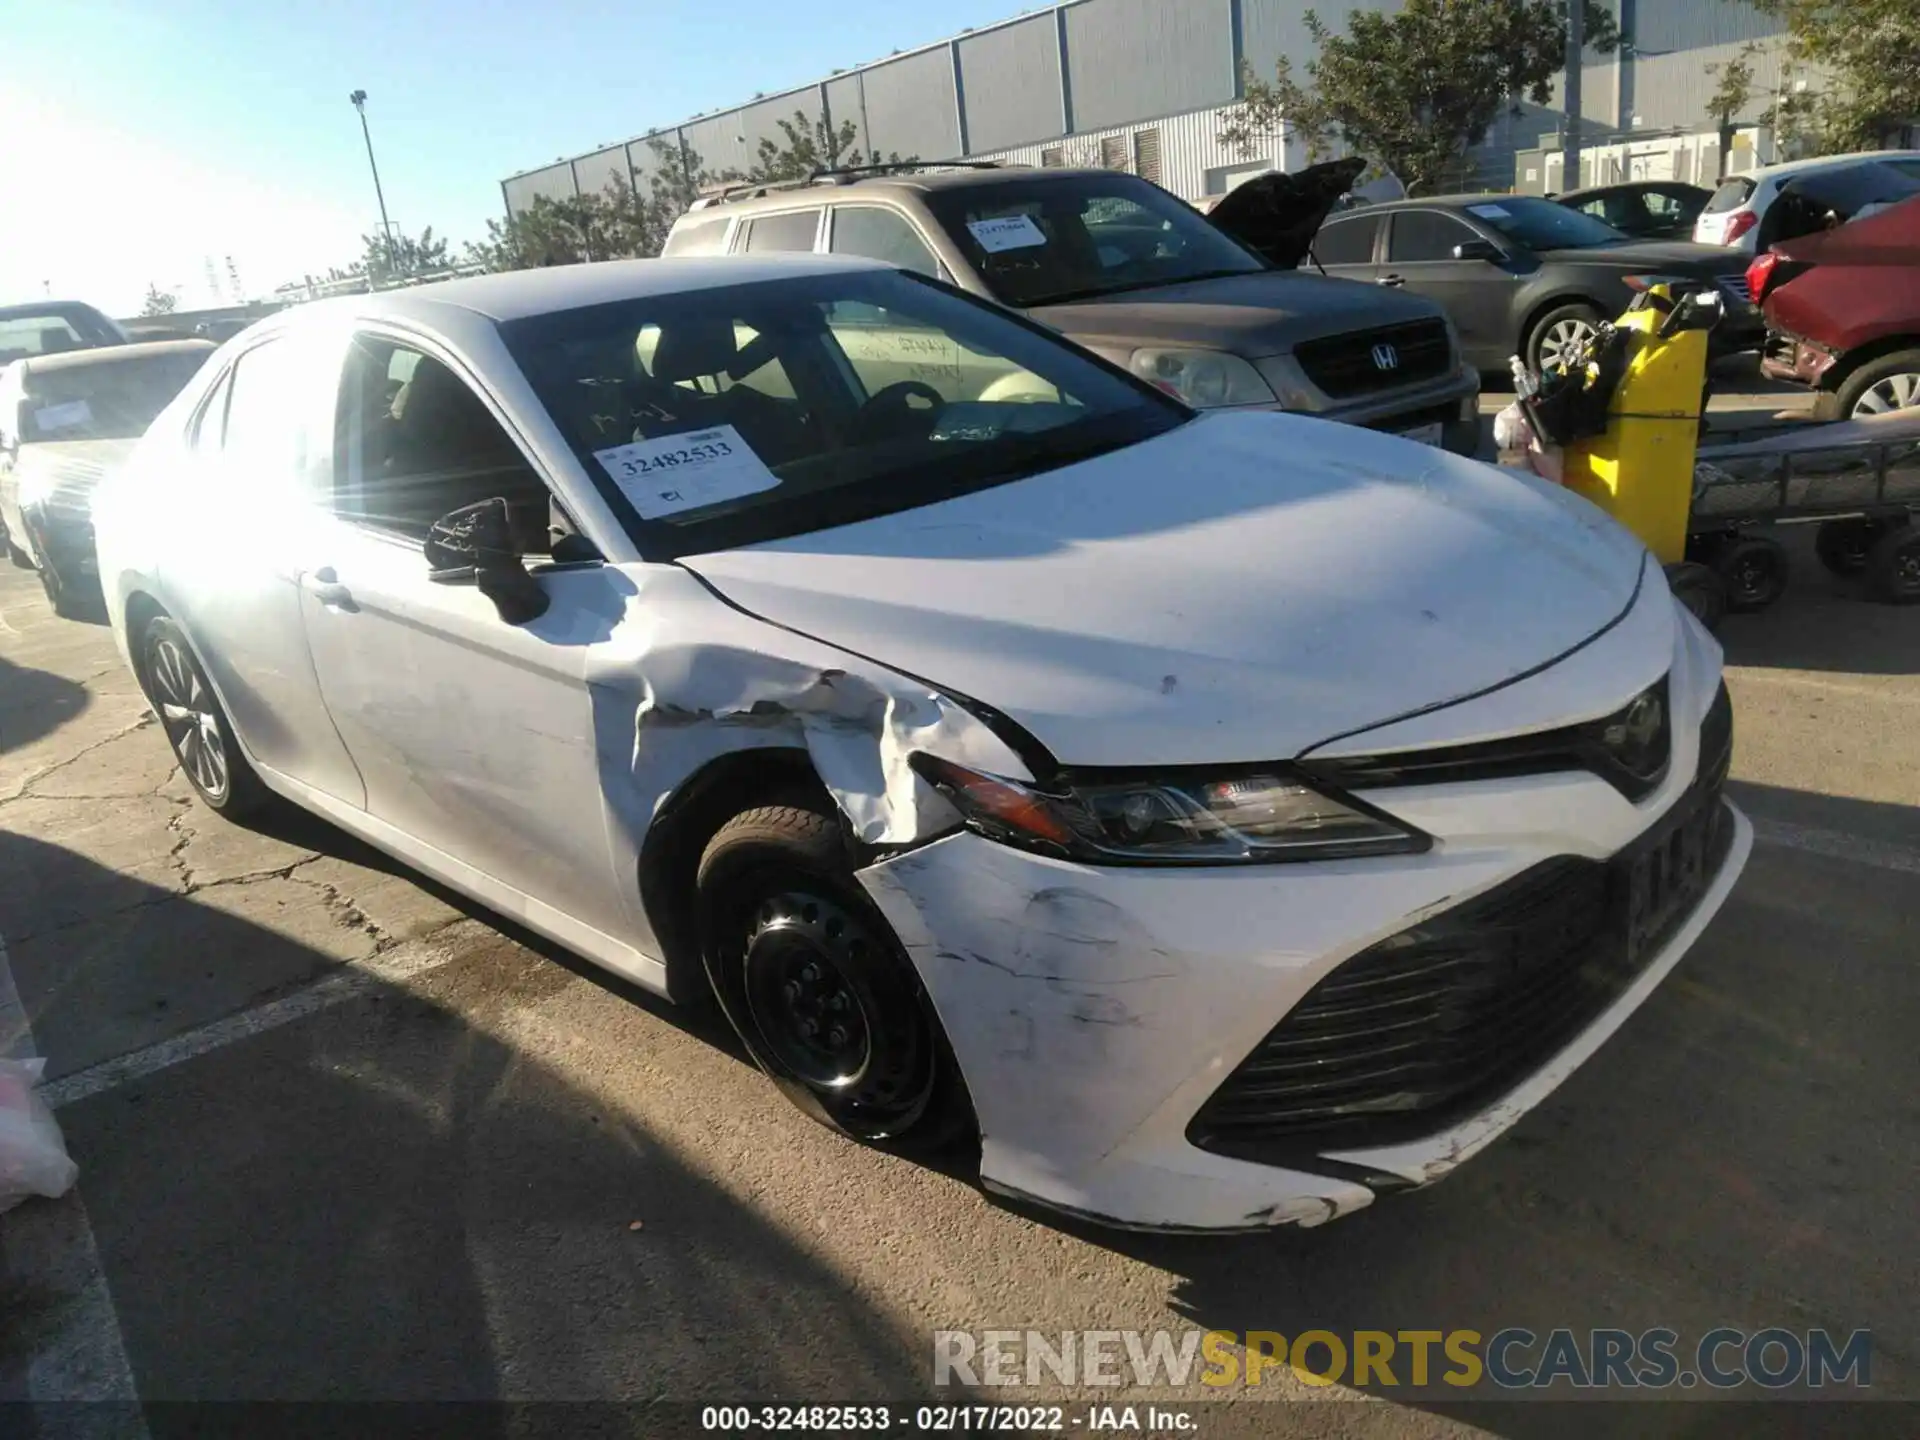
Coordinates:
column 1230, row 820
column 1204, row 379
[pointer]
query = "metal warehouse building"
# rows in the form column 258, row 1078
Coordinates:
column 1143, row 85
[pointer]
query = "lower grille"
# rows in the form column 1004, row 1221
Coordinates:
column 1435, row 1023
column 1345, row 365
column 1736, row 286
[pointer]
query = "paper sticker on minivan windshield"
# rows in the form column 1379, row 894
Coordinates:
column 63, row 417
column 690, row 471
column 1007, row 232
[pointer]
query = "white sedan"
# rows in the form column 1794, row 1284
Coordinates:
column 1223, row 819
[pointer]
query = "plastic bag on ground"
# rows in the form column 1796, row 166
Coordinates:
column 33, row 1157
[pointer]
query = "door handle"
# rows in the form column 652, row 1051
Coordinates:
column 1392, row 280
column 325, row 587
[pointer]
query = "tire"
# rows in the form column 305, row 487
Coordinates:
column 1753, row 569
column 1890, row 383
column 817, row 987
column 1555, row 329
column 196, row 726
column 1843, row 545
column 20, row 558
column 1701, row 590
column 1893, row 566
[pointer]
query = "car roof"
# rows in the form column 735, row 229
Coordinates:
column 1588, row 192
column 112, row 354
column 516, row 294
column 785, row 194
column 45, row 307
column 1452, row 202
column 1816, row 162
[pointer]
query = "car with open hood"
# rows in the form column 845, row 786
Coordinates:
column 1519, row 275
column 1134, row 274
column 1219, row 819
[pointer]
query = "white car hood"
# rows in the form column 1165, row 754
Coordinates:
column 1240, row 589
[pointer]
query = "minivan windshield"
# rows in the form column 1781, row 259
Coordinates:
column 1073, row 237
column 1544, row 224
column 733, row 415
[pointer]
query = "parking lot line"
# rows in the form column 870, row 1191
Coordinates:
column 82, row 1357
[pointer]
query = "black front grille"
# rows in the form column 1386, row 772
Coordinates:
column 1436, row 1022
column 1346, row 365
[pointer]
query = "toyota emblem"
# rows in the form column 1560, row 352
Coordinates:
column 1385, row 357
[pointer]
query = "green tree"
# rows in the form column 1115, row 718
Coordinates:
column 1733, row 92
column 811, row 145
column 1868, row 53
column 402, row 257
column 1415, row 90
column 158, row 301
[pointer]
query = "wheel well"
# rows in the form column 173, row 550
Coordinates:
column 670, row 853
column 1843, row 368
column 142, row 611
column 1546, row 307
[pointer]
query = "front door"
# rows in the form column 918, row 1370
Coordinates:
column 476, row 737
column 1476, row 294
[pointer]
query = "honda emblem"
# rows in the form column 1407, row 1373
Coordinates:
column 1385, row 357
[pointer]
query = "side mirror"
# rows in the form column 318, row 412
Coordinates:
column 1478, row 250
column 474, row 545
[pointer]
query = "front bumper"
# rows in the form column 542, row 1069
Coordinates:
column 1451, row 401
column 1095, row 1011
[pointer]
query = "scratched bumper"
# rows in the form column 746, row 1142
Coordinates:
column 1094, row 1010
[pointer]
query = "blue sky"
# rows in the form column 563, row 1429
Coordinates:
column 143, row 136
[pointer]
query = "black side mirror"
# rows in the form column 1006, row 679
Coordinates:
column 1478, row 250
column 474, row 545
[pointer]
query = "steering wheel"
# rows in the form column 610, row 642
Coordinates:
column 891, row 411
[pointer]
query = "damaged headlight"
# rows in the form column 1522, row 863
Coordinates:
column 1167, row 820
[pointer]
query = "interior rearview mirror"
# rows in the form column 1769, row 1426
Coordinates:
column 474, row 545
column 1478, row 250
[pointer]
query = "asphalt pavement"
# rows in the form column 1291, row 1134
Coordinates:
column 344, row 1137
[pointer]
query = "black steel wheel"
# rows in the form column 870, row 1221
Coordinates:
column 1701, row 590
column 1843, row 545
column 196, row 727
column 1893, row 566
column 815, row 984
column 1754, row 570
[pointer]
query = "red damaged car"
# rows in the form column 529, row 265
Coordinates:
column 1842, row 303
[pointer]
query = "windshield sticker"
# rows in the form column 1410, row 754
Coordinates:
column 1489, row 212
column 1007, row 232
column 63, row 417
column 686, row 472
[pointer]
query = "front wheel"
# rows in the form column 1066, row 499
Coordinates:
column 1754, row 570
column 197, row 728
column 816, row 985
column 1843, row 545
column 1890, row 383
column 1562, row 338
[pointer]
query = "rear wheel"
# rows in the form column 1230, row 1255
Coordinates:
column 1561, row 336
column 1890, row 383
column 1699, row 589
column 196, row 726
column 1843, row 545
column 816, row 985
column 1893, row 566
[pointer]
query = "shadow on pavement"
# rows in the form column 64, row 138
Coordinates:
column 1823, row 623
column 390, row 1198
column 34, row 703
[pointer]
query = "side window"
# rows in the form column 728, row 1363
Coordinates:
column 269, row 399
column 1663, row 206
column 697, row 237
column 881, row 234
column 1347, row 242
column 1425, row 235
column 414, row 441
column 767, row 234
column 210, row 423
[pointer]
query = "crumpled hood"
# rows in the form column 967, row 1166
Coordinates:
column 1239, row 589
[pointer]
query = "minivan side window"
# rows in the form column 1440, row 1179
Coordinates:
column 415, row 441
column 698, row 237
column 879, row 234
column 1347, row 242
column 782, row 233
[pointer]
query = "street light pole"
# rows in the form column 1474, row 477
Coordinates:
column 359, row 99
column 1576, row 62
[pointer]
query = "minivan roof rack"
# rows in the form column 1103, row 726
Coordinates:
column 836, row 175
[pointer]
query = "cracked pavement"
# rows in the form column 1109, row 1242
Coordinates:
column 349, row 1138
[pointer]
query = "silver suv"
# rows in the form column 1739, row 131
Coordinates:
column 1132, row 273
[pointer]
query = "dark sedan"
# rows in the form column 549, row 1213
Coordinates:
column 1643, row 209
column 1520, row 275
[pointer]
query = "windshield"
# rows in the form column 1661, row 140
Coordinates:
column 723, row 417
column 26, row 331
column 1083, row 235
column 1543, row 224
column 113, row 398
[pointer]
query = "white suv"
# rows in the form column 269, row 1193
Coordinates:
column 1732, row 216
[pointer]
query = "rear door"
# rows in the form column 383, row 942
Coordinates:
column 1476, row 294
column 1345, row 244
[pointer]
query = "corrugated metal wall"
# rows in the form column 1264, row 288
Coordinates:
column 1190, row 151
column 600, row 169
column 1131, row 59
column 910, row 105
column 1011, row 77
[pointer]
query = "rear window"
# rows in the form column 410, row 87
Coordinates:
column 698, row 237
column 114, row 400
column 1731, row 195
